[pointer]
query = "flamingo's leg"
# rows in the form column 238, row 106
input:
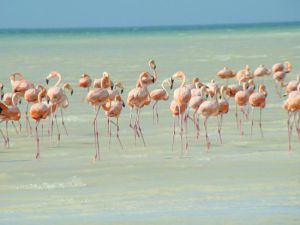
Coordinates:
column 14, row 125
column 4, row 138
column 118, row 129
column 58, row 131
column 63, row 122
column 139, row 127
column 252, row 121
column 153, row 111
column 37, row 155
column 260, row 124
column 7, row 137
column 174, row 132
column 96, row 134
column 206, row 133
column 28, row 125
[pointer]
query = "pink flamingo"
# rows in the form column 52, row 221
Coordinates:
column 258, row 100
column 292, row 105
column 10, row 114
column 182, row 96
column 207, row 109
column 97, row 97
column 31, row 96
column 244, row 75
column 113, row 110
column 223, row 109
column 39, row 111
column 196, row 100
column 226, row 74
column 138, row 98
column 159, row 95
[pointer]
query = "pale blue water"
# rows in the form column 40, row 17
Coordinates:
column 243, row 181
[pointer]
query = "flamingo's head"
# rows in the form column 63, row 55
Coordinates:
column 119, row 85
column 68, row 87
column 152, row 64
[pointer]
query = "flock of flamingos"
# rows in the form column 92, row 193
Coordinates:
column 190, row 100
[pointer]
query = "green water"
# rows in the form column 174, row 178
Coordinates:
column 243, row 181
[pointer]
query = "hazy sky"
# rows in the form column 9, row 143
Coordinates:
column 111, row 13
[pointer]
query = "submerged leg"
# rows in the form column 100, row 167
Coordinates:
column 153, row 111
column 7, row 137
column 118, row 129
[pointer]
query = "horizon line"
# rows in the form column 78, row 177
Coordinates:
column 212, row 25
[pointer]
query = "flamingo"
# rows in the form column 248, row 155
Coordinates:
column 138, row 98
column 258, row 100
column 292, row 85
column 39, row 111
column 292, row 105
column 63, row 104
column 113, row 110
column 182, row 96
column 85, row 81
column 21, row 85
column 207, row 109
column 196, row 100
column 244, row 75
column 10, row 114
column 31, row 96
column 7, row 100
column 159, row 95
column 226, row 74
column 223, row 108
column 97, row 97
column 104, row 82
column 261, row 71
column 241, row 100
column 279, row 73
column 56, row 96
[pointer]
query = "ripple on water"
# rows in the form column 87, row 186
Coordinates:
column 72, row 183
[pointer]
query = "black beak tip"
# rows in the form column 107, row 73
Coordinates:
column 2, row 95
column 123, row 104
column 122, row 91
column 72, row 92
column 112, row 87
column 47, row 81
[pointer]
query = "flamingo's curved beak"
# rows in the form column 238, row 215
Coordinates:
column 2, row 95
column 122, row 90
column 123, row 104
column 72, row 92
column 47, row 81
column 172, row 83
column 112, row 86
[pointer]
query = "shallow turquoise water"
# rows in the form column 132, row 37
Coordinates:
column 243, row 181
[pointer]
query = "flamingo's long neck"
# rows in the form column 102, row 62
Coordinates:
column 163, row 86
column 183, row 80
column 14, row 100
column 59, row 80
column 40, row 96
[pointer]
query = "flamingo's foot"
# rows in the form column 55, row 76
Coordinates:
column 37, row 156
